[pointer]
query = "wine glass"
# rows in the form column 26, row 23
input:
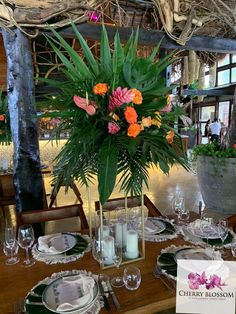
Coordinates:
column 178, row 204
column 26, row 239
column 117, row 281
column 9, row 246
column 222, row 229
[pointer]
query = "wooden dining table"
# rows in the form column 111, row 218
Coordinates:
column 151, row 297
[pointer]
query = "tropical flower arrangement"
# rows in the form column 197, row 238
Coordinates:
column 5, row 130
column 117, row 113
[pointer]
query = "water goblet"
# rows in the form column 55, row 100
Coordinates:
column 26, row 239
column 222, row 229
column 11, row 252
column 117, row 281
column 178, row 204
column 132, row 278
column 10, row 245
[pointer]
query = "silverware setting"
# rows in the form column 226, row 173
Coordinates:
column 157, row 273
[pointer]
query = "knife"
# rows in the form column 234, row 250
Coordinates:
column 112, row 293
column 103, row 294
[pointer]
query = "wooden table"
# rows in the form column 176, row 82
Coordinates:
column 151, row 297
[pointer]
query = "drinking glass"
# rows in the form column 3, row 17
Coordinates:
column 26, row 240
column 10, row 245
column 132, row 278
column 178, row 204
column 233, row 249
column 11, row 252
column 117, row 281
column 222, row 229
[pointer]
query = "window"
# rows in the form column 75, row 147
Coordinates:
column 224, row 61
column 223, row 77
column 233, row 58
column 207, row 81
column 224, row 112
column 207, row 112
column 233, row 75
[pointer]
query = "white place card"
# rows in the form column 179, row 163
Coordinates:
column 205, row 286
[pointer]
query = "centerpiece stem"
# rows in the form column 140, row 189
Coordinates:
column 90, row 211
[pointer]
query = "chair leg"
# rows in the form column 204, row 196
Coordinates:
column 53, row 196
column 77, row 192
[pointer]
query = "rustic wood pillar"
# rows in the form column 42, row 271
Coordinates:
column 20, row 90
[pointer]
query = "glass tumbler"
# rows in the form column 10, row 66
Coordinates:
column 132, row 278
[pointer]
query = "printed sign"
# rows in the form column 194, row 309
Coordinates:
column 205, row 287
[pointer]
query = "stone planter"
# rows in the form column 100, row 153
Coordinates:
column 217, row 183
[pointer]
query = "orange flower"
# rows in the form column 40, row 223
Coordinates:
column 130, row 114
column 100, row 89
column 170, row 137
column 138, row 99
column 134, row 129
column 234, row 145
column 157, row 119
column 2, row 117
column 146, row 122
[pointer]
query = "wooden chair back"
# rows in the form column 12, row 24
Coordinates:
column 7, row 190
column 113, row 204
column 54, row 213
column 232, row 222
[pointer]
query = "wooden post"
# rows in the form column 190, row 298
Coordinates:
column 20, row 90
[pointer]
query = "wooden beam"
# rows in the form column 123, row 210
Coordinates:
column 224, row 91
column 152, row 37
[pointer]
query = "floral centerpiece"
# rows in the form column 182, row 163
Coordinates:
column 5, row 130
column 119, row 118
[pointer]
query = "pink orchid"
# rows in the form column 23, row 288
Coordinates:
column 214, row 281
column 83, row 103
column 113, row 127
column 193, row 281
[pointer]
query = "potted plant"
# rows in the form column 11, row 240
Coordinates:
column 216, row 171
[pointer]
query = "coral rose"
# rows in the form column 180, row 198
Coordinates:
column 130, row 114
column 146, row 122
column 100, row 89
column 170, row 137
column 137, row 99
column 2, row 117
column 134, row 129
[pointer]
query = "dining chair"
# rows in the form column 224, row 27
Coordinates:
column 232, row 222
column 53, row 213
column 7, row 192
column 114, row 203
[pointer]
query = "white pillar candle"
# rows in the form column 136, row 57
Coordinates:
column 124, row 234
column 119, row 232
column 132, row 244
column 108, row 250
column 106, row 233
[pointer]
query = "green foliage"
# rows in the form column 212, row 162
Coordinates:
column 5, row 129
column 92, row 150
column 213, row 150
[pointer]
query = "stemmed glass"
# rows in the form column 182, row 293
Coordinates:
column 10, row 246
column 117, row 281
column 26, row 239
column 178, row 204
column 222, row 228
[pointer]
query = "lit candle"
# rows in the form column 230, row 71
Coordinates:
column 108, row 250
column 132, row 244
column 106, row 233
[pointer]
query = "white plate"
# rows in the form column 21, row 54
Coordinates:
column 193, row 254
column 196, row 229
column 50, row 296
column 153, row 225
column 62, row 243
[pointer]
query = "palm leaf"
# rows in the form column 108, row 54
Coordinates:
column 105, row 57
column 107, row 171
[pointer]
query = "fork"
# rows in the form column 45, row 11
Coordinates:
column 157, row 273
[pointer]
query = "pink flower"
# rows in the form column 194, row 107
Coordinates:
column 113, row 127
column 83, row 103
column 167, row 108
column 119, row 97
column 193, row 281
column 214, row 281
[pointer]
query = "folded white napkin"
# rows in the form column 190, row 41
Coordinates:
column 51, row 243
column 75, row 292
column 150, row 227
